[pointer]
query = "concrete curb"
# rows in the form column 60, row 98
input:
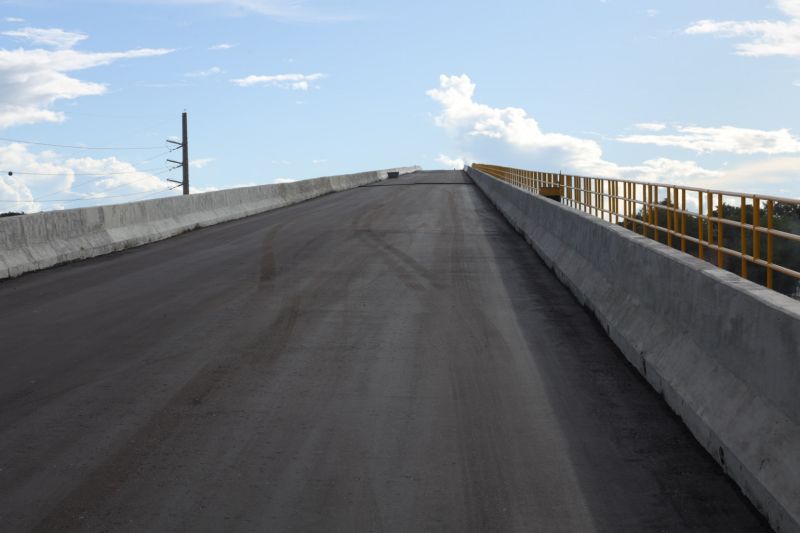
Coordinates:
column 42, row 240
column 723, row 352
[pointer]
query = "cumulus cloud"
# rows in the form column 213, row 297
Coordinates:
column 510, row 134
column 724, row 139
column 457, row 163
column 201, row 163
column 466, row 118
column 669, row 170
column 650, row 126
column 292, row 10
column 298, row 82
column 762, row 37
column 32, row 80
column 46, row 180
column 779, row 174
column 54, row 37
column 204, row 73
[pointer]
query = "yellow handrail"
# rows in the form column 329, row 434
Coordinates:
column 660, row 211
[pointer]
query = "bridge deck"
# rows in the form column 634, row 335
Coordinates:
column 392, row 357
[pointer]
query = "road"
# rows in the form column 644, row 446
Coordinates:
column 389, row 358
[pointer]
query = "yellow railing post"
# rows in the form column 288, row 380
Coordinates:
column 619, row 199
column 570, row 180
column 683, row 220
column 596, row 195
column 743, row 233
column 708, row 219
column 700, row 223
column 646, row 209
column 654, row 214
column 630, row 215
column 770, row 223
column 720, row 213
column 756, row 223
column 670, row 216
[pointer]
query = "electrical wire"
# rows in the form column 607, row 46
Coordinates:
column 163, row 171
column 36, row 200
column 99, row 175
column 159, row 155
column 82, row 173
column 114, row 116
column 83, row 147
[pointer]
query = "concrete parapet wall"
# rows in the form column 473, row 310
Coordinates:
column 41, row 240
column 723, row 352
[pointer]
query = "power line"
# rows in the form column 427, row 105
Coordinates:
column 82, row 183
column 83, row 173
column 84, row 147
column 159, row 155
column 36, row 200
column 159, row 173
column 114, row 116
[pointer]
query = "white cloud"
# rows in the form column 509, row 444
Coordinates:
column 211, row 188
column 201, row 163
column 509, row 134
column 293, row 10
column 298, row 82
column 34, row 79
column 54, row 37
column 723, row 139
column 766, row 37
column 669, row 170
column 318, row 161
column 284, row 180
column 222, row 46
column 796, row 83
column 652, row 12
column 457, row 163
column 204, row 73
column 650, row 126
column 14, row 19
column 762, row 177
column 198, row 190
column 468, row 119
column 46, row 180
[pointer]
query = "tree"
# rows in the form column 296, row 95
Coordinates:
column 786, row 252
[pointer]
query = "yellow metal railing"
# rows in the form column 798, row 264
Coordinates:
column 756, row 236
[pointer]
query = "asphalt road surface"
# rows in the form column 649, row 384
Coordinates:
column 389, row 358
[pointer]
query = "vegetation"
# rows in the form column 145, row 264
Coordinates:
column 11, row 214
column 786, row 252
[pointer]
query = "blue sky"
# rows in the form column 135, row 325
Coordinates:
column 702, row 93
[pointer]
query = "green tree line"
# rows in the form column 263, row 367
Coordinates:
column 786, row 252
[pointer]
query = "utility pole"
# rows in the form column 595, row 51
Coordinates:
column 184, row 144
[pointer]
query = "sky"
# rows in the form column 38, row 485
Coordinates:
column 680, row 91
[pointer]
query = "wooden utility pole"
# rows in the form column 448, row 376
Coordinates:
column 184, row 144
column 185, row 125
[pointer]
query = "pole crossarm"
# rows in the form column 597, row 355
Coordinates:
column 184, row 145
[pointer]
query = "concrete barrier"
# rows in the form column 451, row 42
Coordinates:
column 41, row 240
column 723, row 352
